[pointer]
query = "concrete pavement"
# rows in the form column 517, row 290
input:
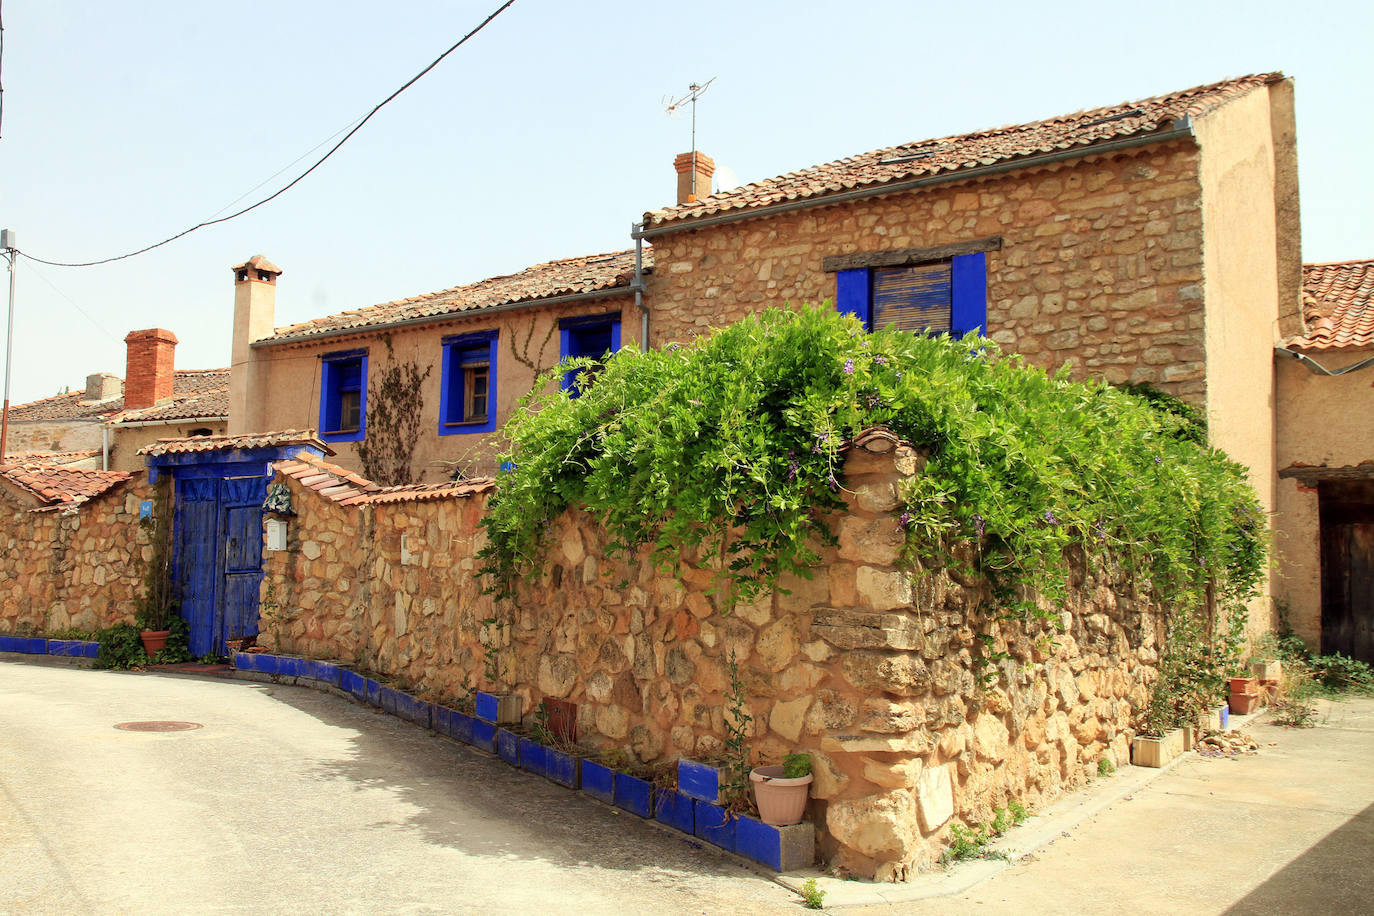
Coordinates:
column 290, row 800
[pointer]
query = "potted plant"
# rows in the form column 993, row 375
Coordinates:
column 1159, row 741
column 1244, row 694
column 159, row 603
column 781, row 792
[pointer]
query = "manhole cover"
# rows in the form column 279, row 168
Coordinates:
column 158, row 726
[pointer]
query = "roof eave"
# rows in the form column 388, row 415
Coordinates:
column 446, row 318
column 1177, row 130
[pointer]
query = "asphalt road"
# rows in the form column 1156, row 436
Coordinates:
column 288, row 800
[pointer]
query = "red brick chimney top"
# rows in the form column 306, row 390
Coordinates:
column 148, row 372
column 687, row 164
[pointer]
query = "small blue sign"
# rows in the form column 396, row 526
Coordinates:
column 145, row 509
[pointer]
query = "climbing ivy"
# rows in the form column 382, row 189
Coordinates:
column 731, row 446
column 395, row 407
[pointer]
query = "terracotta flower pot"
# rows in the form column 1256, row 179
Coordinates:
column 154, row 641
column 781, row 801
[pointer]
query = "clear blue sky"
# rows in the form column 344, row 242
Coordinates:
column 544, row 137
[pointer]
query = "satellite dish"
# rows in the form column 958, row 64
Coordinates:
column 726, row 179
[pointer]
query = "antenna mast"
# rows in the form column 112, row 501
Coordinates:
column 694, row 92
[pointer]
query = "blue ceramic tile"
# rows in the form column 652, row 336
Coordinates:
column 388, row 700
column 290, row 666
column 325, row 672
column 675, row 810
column 534, row 756
column 698, row 780
column 486, row 706
column 255, row 661
column 598, row 781
column 73, row 648
column 780, row 848
column 374, row 693
column 441, row 720
column 632, row 794
column 715, row 825
column 413, row 709
column 460, row 726
column 564, row 769
column 354, row 683
column 508, row 746
column 26, row 644
column 483, row 734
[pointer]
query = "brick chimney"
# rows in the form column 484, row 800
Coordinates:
column 696, row 165
column 148, row 371
column 255, row 314
column 101, row 386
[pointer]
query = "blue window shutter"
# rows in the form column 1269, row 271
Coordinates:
column 969, row 277
column 458, row 352
column 852, row 296
column 339, row 373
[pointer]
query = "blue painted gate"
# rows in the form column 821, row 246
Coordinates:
column 218, row 529
column 217, row 537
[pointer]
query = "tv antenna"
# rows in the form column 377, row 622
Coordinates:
column 673, row 106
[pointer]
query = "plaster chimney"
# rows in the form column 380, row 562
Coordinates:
column 148, row 370
column 255, row 313
column 102, row 386
column 694, row 171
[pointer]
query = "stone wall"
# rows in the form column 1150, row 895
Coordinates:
column 52, row 436
column 868, row 667
column 1101, row 262
column 76, row 568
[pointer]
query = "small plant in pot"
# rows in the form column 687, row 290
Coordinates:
column 781, row 792
column 159, row 604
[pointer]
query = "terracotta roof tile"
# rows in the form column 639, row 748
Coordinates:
column 1338, row 305
column 59, row 487
column 74, row 406
column 253, row 440
column 54, row 458
column 951, row 154
column 592, row 273
column 208, row 405
column 346, row 488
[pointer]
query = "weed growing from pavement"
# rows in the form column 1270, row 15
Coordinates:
column 972, row 842
column 812, row 896
column 1105, row 767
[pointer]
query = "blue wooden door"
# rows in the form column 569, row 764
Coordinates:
column 218, row 532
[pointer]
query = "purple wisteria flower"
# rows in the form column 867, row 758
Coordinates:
column 849, row 367
column 1159, row 461
column 832, row 482
column 979, row 524
column 818, row 448
column 1101, row 530
column 904, row 521
column 880, row 359
column 1050, row 517
column 792, row 468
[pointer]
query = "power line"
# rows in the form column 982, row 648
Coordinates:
column 280, row 191
column 106, row 331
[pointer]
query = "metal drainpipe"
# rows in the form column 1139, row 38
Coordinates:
column 104, row 447
column 1317, row 367
column 637, row 284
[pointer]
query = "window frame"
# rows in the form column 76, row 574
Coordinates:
column 453, row 382
column 968, row 280
column 570, row 328
column 332, row 368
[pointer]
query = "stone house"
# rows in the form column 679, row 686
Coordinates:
column 105, row 425
column 1325, row 524
column 1151, row 241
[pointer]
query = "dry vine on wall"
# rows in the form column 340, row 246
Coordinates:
column 394, row 410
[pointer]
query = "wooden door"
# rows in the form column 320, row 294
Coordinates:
column 1347, row 547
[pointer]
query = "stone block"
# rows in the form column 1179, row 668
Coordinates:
column 881, row 589
column 935, row 797
column 848, row 629
column 881, row 827
column 915, row 742
column 893, row 672
column 780, row 848
column 786, row 717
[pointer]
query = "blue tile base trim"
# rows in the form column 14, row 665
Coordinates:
column 564, row 769
column 598, row 781
column 483, row 735
column 632, row 794
column 74, row 648
column 508, row 746
column 780, row 848
column 533, row 756
column 28, row 645
column 715, row 825
column 698, row 780
column 675, row 810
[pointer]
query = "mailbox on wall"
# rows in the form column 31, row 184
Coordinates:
column 276, row 533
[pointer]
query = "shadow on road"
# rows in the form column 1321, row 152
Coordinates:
column 478, row 804
column 1333, row 876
